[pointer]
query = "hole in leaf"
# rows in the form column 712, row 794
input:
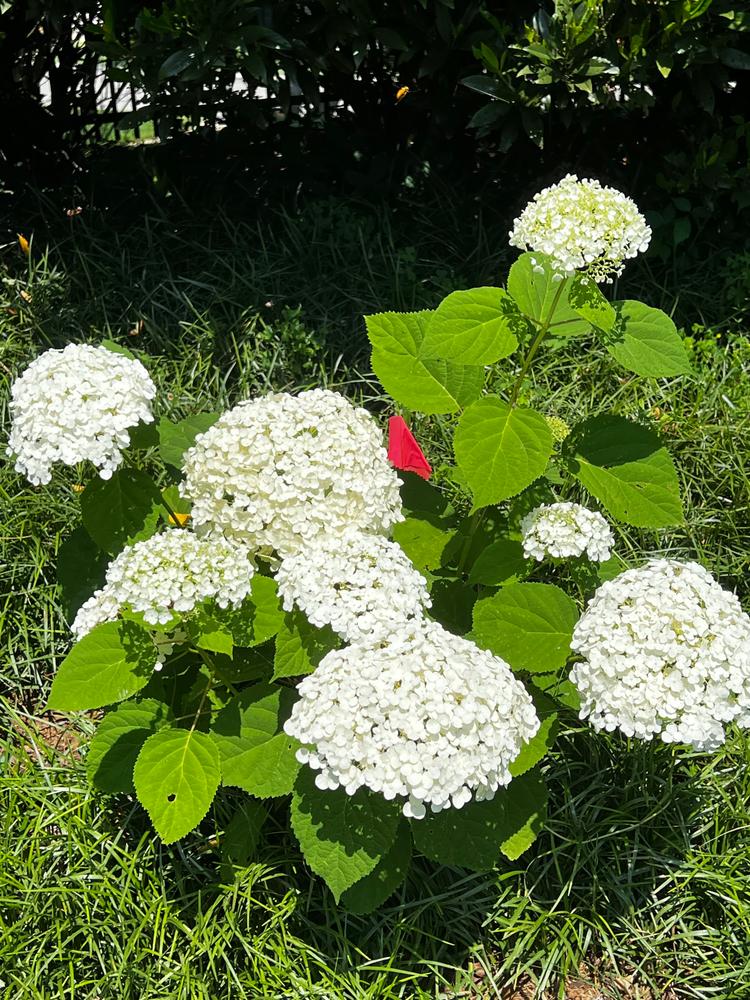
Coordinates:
column 171, row 798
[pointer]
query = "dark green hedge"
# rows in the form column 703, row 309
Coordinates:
column 645, row 92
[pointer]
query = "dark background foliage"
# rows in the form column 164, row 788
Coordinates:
column 292, row 97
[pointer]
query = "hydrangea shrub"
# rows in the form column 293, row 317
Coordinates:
column 277, row 610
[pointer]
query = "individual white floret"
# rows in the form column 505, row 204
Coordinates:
column 76, row 405
column 428, row 718
column 566, row 530
column 169, row 574
column 363, row 586
column 276, row 471
column 583, row 227
column 666, row 652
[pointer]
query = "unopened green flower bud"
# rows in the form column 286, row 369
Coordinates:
column 559, row 428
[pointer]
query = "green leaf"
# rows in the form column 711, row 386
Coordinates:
column 144, row 436
column 474, row 836
column 343, row 837
column 647, row 341
column 474, row 534
column 536, row 749
column 246, row 664
column 499, row 563
column 529, row 625
column 387, row 875
column 560, row 689
column 452, row 604
column 81, row 565
column 612, row 567
column 425, row 500
column 625, row 466
column 176, row 776
column 113, row 662
column 242, row 833
column 176, row 438
column 735, row 58
column 500, row 449
column 176, row 63
column 208, row 633
column 118, row 740
column 430, row 386
column 256, row 754
column 477, row 326
column 120, row 510
column 116, row 348
column 586, row 299
column 301, row 646
column 258, row 618
column 535, row 292
column 422, row 541
column 465, row 382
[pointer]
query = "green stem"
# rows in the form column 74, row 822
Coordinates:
column 173, row 516
column 543, row 330
column 476, row 520
column 199, row 710
column 215, row 670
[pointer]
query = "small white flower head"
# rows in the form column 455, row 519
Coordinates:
column 566, row 530
column 363, row 586
column 169, row 574
column 276, row 471
column 427, row 717
column 76, row 405
column 583, row 227
column 101, row 607
column 666, row 653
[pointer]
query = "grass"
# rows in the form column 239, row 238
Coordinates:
column 640, row 881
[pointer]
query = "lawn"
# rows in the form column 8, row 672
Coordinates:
column 640, row 883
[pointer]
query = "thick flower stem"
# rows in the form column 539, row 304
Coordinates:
column 541, row 334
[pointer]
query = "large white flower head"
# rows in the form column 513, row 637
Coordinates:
column 276, row 471
column 566, row 530
column 428, row 716
column 169, row 574
column 582, row 226
column 76, row 405
column 666, row 653
column 363, row 586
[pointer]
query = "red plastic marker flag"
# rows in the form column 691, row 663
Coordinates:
column 403, row 450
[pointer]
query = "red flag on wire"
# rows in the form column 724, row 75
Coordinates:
column 403, row 450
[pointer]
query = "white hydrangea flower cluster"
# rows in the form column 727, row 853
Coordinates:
column 566, row 530
column 666, row 652
column 275, row 472
column 167, row 574
column 75, row 405
column 427, row 715
column 582, row 226
column 362, row 585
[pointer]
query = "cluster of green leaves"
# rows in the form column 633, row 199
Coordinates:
column 507, row 461
column 185, row 56
column 434, row 362
column 587, row 57
column 628, row 74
